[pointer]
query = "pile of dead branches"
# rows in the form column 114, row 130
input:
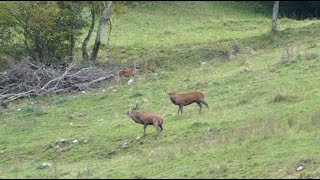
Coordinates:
column 26, row 78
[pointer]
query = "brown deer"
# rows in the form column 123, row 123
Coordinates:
column 128, row 72
column 187, row 99
column 145, row 118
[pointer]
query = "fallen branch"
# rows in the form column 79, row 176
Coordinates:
column 25, row 79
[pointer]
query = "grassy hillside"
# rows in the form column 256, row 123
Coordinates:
column 264, row 114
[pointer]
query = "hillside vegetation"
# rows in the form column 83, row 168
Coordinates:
column 264, row 115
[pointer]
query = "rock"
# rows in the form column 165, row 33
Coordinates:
column 130, row 81
column 63, row 140
column 138, row 137
column 300, row 168
column 75, row 141
column 125, row 145
column 44, row 165
column 85, row 141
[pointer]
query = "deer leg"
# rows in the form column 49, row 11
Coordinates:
column 181, row 109
column 144, row 130
column 159, row 130
column 199, row 104
column 203, row 102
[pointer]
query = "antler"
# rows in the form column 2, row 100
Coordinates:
column 138, row 105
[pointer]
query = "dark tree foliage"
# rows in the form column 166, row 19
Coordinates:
column 296, row 9
column 44, row 30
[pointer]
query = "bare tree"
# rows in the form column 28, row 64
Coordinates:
column 102, row 22
column 275, row 16
column 85, row 54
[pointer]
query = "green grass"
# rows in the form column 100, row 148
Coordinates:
column 264, row 114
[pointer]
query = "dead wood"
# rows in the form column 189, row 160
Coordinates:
column 26, row 78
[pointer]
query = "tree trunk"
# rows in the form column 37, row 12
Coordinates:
column 39, row 51
column 72, row 39
column 102, row 22
column 275, row 16
column 25, row 40
column 107, row 46
column 85, row 54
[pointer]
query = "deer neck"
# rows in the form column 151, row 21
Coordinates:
column 136, row 116
column 173, row 98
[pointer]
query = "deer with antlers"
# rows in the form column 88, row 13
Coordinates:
column 145, row 118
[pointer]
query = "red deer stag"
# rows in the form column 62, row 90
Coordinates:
column 145, row 118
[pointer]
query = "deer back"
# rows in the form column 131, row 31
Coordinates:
column 187, row 98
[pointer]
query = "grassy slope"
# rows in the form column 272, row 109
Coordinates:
column 262, row 123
